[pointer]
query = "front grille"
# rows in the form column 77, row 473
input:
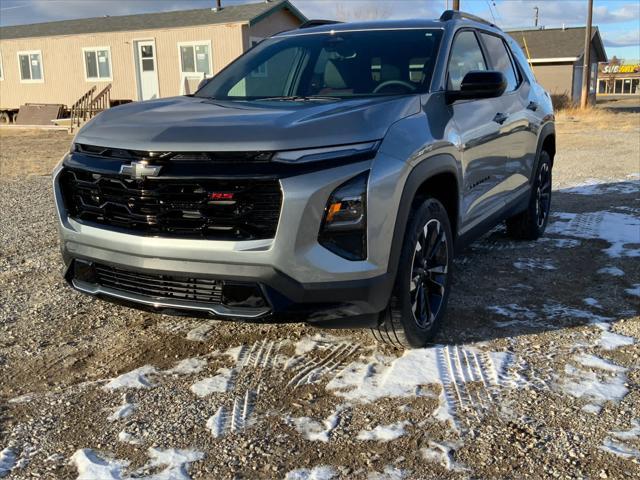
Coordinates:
column 243, row 209
column 160, row 286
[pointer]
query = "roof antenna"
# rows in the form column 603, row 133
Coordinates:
column 535, row 20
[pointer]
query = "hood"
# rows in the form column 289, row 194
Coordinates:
column 192, row 123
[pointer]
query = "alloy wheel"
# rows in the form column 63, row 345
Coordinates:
column 429, row 274
column 543, row 194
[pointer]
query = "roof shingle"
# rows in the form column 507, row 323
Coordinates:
column 249, row 12
column 556, row 42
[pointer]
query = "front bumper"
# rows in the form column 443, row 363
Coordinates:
column 298, row 276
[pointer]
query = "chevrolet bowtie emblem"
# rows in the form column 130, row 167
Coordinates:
column 140, row 170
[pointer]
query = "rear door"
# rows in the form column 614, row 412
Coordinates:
column 521, row 123
column 477, row 124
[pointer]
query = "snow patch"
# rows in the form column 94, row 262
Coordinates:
column 384, row 433
column 216, row 423
column 620, row 449
column 534, row 264
column 322, row 472
column 91, row 466
column 556, row 310
column 387, row 376
column 187, row 366
column 134, row 379
column 390, row 473
column 635, row 291
column 316, row 431
column 613, row 271
column 618, row 229
column 594, row 186
column 7, row 461
column 596, row 362
column 610, row 340
column 176, row 463
column 200, row 333
column 442, row 453
column 126, row 437
column 218, row 384
column 123, row 410
column 592, row 302
column 596, row 387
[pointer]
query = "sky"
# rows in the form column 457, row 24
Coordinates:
column 618, row 20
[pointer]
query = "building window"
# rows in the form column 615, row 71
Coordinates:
column 30, row 66
column 97, row 63
column 195, row 59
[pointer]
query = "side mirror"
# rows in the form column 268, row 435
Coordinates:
column 479, row 84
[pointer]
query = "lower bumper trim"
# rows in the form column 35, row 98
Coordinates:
column 216, row 310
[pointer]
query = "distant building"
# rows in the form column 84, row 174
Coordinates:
column 619, row 79
column 557, row 57
column 143, row 56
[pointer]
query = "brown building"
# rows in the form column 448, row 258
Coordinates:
column 143, row 56
column 557, row 57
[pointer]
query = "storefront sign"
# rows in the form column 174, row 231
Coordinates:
column 621, row 69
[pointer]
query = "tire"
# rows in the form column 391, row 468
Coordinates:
column 5, row 118
column 410, row 321
column 531, row 224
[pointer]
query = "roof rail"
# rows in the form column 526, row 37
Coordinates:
column 458, row 15
column 317, row 23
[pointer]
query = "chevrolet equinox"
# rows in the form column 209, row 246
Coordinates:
column 327, row 175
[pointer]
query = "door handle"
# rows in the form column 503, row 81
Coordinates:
column 500, row 118
column 533, row 106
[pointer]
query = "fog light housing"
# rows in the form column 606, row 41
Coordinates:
column 242, row 295
column 344, row 224
column 84, row 271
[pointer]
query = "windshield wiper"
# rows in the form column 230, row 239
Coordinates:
column 301, row 98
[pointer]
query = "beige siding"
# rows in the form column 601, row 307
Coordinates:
column 63, row 62
column 272, row 24
column 556, row 79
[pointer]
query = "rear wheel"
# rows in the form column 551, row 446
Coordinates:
column 531, row 224
column 422, row 284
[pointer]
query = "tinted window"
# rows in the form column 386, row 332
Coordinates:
column 466, row 56
column 500, row 60
column 343, row 64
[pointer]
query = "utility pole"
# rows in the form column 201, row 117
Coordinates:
column 586, row 64
column 535, row 21
column 456, row 4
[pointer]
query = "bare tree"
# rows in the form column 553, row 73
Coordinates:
column 361, row 11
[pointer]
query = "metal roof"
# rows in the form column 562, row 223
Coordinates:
column 557, row 43
column 249, row 12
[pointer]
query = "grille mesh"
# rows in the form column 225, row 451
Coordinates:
column 243, row 209
column 160, row 286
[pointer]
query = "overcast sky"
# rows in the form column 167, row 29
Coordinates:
column 618, row 20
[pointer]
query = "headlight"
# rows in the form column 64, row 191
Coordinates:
column 344, row 226
column 356, row 151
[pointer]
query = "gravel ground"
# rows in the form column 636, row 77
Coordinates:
column 536, row 373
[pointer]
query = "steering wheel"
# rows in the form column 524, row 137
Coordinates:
column 388, row 83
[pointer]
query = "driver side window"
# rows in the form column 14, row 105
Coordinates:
column 466, row 56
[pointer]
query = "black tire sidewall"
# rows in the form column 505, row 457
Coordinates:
column 401, row 303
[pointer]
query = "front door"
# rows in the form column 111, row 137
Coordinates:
column 147, row 70
column 479, row 126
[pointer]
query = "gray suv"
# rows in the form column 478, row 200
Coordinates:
column 327, row 175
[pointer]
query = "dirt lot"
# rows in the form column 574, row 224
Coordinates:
column 535, row 375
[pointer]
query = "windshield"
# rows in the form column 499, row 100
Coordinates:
column 331, row 65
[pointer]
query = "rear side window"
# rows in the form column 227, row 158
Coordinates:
column 466, row 56
column 501, row 60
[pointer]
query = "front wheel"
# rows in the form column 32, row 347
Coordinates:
column 422, row 284
column 531, row 224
